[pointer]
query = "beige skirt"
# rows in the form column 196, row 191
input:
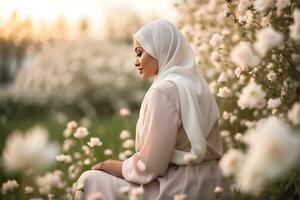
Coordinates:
column 196, row 181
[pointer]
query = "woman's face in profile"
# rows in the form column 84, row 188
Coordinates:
column 146, row 64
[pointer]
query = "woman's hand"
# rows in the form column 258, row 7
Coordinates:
column 113, row 167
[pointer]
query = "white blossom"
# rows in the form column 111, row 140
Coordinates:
column 266, row 39
column 281, row 4
column 243, row 55
column 252, row 96
column 125, row 135
column 274, row 148
column 81, row 132
column 94, row 142
column 9, row 186
column 216, row 40
column 224, row 92
column 129, row 143
column 271, row 76
column 274, row 103
column 218, row 190
column 28, row 189
column 108, row 152
column 48, row 181
column 72, row 125
column 124, row 112
column 64, row 158
column 29, row 150
column 214, row 56
column 261, row 5
column 244, row 5
column 295, row 28
column 222, row 78
column 231, row 162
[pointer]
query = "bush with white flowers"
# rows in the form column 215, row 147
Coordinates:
column 89, row 75
column 249, row 51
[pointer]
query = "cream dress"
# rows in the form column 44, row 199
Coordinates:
column 159, row 130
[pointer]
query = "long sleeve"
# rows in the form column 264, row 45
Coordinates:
column 158, row 133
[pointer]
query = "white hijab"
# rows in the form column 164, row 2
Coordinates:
column 199, row 111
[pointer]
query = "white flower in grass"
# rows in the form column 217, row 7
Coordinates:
column 81, row 132
column 266, row 39
column 124, row 112
column 122, row 156
column 261, row 5
column 189, row 158
column 108, row 152
column 67, row 133
column 224, row 92
column 216, row 40
column 64, row 158
column 30, row 150
column 95, row 196
column 252, row 96
column 136, row 193
column 48, row 181
column 94, row 142
column 294, row 114
column 86, row 149
column 295, row 28
column 274, row 103
column 28, row 189
column 244, row 5
column 128, row 144
column 9, row 186
column 231, row 162
column 125, row 135
column 243, row 55
column 275, row 147
column 72, row 125
column 87, row 161
column 128, row 152
column 181, row 196
column 67, row 144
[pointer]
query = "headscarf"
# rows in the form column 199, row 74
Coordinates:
column 176, row 60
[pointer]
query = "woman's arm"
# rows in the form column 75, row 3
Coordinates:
column 113, row 167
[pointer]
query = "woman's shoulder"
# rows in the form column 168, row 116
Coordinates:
column 167, row 88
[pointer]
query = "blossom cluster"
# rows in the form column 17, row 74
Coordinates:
column 249, row 53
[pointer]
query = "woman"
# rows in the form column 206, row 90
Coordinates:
column 177, row 139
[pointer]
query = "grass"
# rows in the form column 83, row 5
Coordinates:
column 107, row 128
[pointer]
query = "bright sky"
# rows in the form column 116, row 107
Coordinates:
column 74, row 9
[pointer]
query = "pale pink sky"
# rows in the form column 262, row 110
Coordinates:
column 74, row 9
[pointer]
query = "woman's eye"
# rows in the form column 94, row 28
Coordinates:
column 139, row 54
